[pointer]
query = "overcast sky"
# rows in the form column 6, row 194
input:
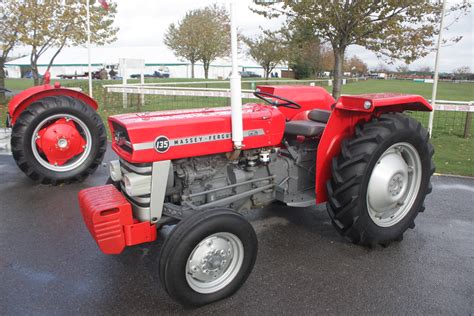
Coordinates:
column 143, row 23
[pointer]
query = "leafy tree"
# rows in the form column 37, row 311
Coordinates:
column 303, row 50
column 55, row 24
column 203, row 35
column 9, row 25
column 355, row 65
column 396, row 29
column 183, row 39
column 267, row 50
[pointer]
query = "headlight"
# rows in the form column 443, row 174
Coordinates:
column 115, row 171
column 137, row 185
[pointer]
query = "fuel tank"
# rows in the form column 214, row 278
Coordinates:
column 169, row 135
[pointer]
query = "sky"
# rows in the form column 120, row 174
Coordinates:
column 143, row 23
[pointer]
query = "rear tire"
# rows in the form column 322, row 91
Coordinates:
column 207, row 257
column 43, row 113
column 380, row 180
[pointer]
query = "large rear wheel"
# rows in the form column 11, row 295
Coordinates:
column 58, row 139
column 380, row 180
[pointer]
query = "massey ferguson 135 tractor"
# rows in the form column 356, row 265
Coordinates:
column 183, row 169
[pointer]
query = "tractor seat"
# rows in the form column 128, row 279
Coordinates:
column 321, row 116
column 304, row 128
column 309, row 128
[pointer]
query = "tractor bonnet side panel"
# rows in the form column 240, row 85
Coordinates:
column 169, row 135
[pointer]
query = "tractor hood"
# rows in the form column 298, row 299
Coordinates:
column 169, row 135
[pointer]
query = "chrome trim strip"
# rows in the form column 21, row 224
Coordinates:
column 198, row 139
column 136, row 169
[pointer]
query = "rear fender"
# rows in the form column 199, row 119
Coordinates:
column 23, row 99
column 348, row 112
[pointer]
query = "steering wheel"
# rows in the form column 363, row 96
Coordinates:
column 267, row 98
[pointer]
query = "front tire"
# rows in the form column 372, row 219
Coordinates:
column 380, row 180
column 58, row 139
column 207, row 257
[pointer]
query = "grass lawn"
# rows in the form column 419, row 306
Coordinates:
column 446, row 90
column 454, row 154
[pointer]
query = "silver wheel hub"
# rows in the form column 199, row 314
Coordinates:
column 63, row 143
column 394, row 184
column 214, row 262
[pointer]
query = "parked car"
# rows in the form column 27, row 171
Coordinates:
column 162, row 72
column 249, row 74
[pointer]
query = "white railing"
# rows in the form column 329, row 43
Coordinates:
column 149, row 89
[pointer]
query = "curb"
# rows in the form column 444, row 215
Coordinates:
column 452, row 176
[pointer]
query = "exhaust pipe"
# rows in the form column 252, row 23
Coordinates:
column 235, row 85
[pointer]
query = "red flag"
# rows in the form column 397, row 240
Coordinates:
column 104, row 4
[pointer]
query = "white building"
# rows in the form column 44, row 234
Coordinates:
column 73, row 60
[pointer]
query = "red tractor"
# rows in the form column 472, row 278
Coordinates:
column 181, row 169
column 57, row 136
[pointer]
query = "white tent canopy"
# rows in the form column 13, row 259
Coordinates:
column 73, row 60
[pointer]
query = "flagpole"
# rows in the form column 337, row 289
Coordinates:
column 436, row 76
column 88, row 22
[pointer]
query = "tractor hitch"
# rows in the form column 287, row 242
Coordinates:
column 108, row 217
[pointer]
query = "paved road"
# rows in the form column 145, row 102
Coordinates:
column 50, row 265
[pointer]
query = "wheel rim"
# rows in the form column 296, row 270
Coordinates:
column 214, row 263
column 394, row 184
column 61, row 142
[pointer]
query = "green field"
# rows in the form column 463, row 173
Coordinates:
column 454, row 154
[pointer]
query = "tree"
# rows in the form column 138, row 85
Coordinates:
column 303, row 50
column 464, row 70
column 403, row 69
column 267, row 50
column 355, row 65
column 55, row 24
column 9, row 25
column 425, row 69
column 183, row 39
column 393, row 28
column 203, row 35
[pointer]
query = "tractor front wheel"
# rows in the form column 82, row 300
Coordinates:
column 380, row 180
column 58, row 139
column 207, row 257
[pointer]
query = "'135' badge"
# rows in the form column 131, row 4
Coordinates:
column 162, row 144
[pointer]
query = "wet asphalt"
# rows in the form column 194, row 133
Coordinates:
column 50, row 265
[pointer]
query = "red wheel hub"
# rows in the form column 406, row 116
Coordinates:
column 60, row 141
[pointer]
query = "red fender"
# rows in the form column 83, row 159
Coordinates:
column 348, row 112
column 23, row 99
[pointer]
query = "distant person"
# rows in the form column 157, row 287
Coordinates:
column 112, row 73
column 103, row 74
